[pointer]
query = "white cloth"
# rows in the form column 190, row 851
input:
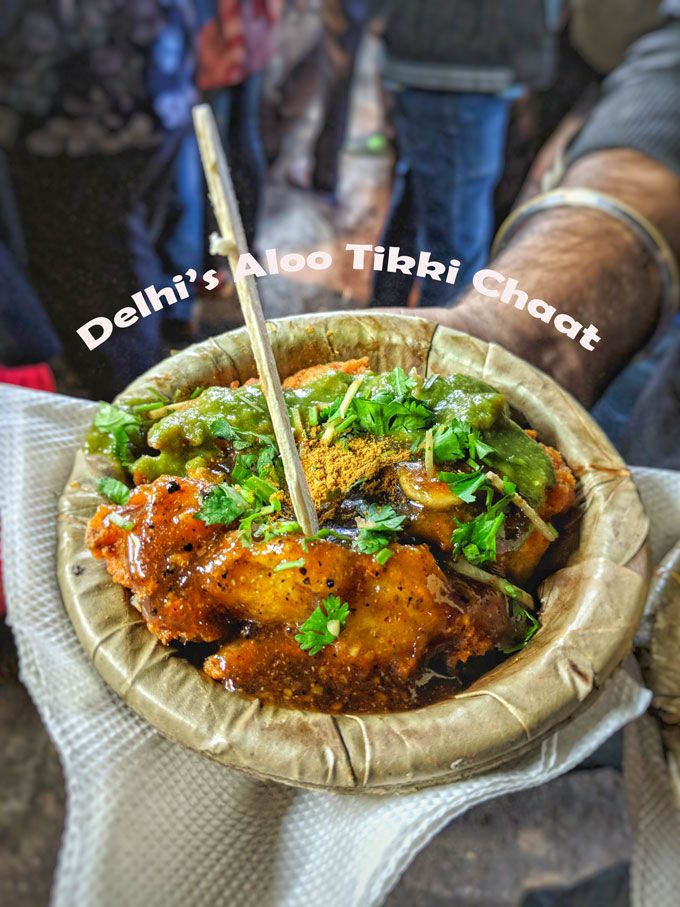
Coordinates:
column 151, row 823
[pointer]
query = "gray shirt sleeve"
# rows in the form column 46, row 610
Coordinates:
column 640, row 104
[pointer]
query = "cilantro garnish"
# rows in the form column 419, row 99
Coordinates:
column 223, row 504
column 113, row 490
column 458, row 441
column 257, row 490
column 465, row 484
column 391, row 411
column 476, row 539
column 532, row 625
column 263, row 503
column 323, row 626
column 123, row 428
column 377, row 529
column 403, row 384
column 240, row 439
column 391, row 418
column 244, row 465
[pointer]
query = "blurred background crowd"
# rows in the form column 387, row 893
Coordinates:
column 416, row 123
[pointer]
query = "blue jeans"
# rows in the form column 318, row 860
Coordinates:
column 640, row 411
column 181, row 245
column 237, row 111
column 450, row 150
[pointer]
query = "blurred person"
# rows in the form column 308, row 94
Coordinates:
column 235, row 42
column 26, row 334
column 94, row 99
column 593, row 265
column 292, row 80
column 454, row 69
column 344, row 24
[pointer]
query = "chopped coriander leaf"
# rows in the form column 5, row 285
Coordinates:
column 376, row 517
column 256, row 522
column 456, row 441
column 113, row 490
column 241, row 440
column 243, row 467
column 403, row 384
column 509, row 589
column 253, row 463
column 371, row 542
column 532, row 625
column 377, row 528
column 395, row 417
column 110, row 417
column 478, row 448
column 448, row 444
column 289, row 565
column 120, row 520
column 476, row 539
column 382, row 557
column 121, row 426
column 266, row 459
column 222, row 505
column 323, row 626
column 464, row 484
column 261, row 489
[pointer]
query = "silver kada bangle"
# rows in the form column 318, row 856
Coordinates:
column 651, row 238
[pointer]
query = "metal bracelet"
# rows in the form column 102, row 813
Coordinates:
column 652, row 240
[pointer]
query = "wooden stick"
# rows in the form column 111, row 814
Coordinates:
column 226, row 210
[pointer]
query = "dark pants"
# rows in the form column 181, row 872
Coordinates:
column 181, row 244
column 640, row 411
column 237, row 110
column 344, row 24
column 450, row 151
column 90, row 226
column 26, row 334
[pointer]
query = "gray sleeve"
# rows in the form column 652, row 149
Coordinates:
column 640, row 104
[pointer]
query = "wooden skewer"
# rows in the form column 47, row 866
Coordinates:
column 226, row 210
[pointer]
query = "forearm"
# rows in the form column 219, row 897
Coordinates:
column 586, row 264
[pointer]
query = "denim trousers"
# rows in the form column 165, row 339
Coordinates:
column 450, row 155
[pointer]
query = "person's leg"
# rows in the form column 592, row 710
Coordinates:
column 482, row 122
column 344, row 23
column 246, row 154
column 181, row 244
column 393, row 288
column 456, row 151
